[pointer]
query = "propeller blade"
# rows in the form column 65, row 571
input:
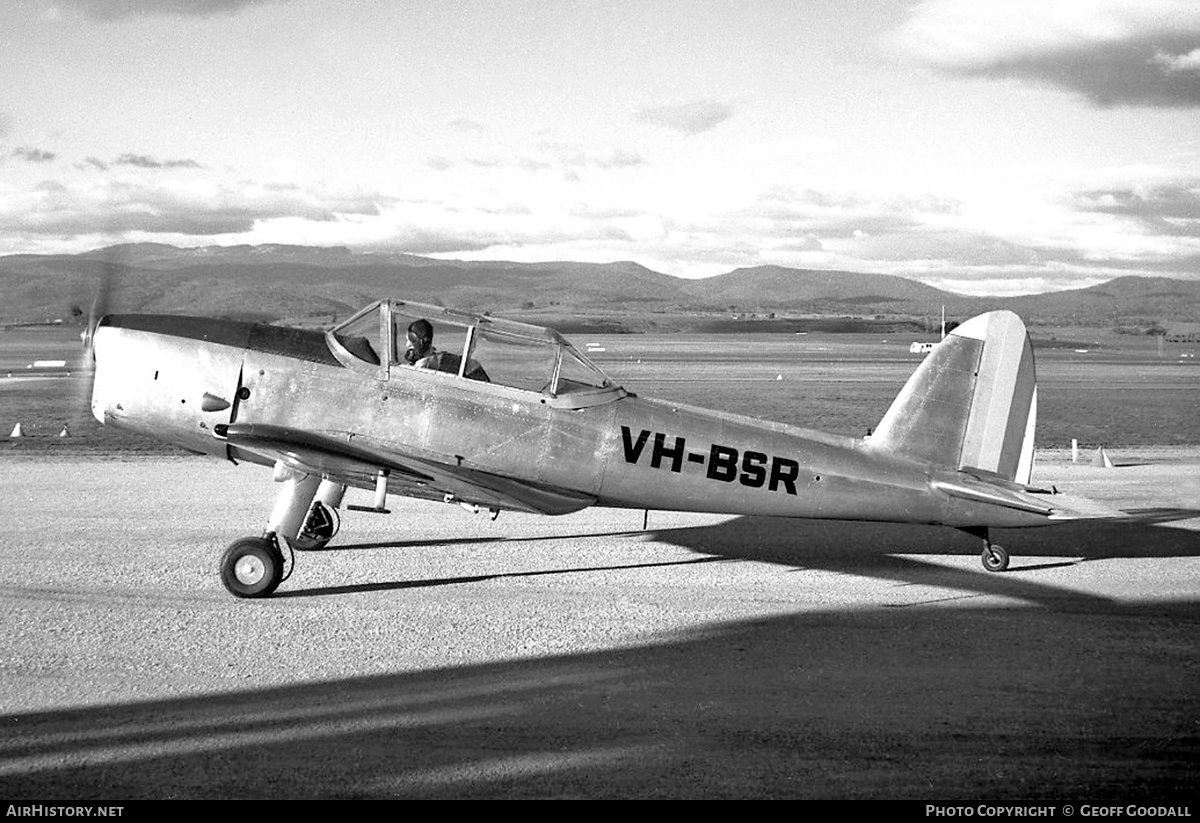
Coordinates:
column 99, row 308
column 99, row 305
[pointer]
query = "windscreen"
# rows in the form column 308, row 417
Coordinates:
column 576, row 374
column 360, row 335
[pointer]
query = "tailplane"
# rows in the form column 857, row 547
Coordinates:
column 972, row 404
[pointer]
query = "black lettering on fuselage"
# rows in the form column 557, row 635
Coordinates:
column 661, row 451
column 784, row 471
column 633, row 450
column 723, row 461
column 754, row 472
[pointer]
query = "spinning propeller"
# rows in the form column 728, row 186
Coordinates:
column 99, row 308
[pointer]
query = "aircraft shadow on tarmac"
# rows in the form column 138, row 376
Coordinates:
column 424, row 543
column 850, row 544
column 871, row 549
column 885, row 551
column 479, row 578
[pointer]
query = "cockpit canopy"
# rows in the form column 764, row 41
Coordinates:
column 474, row 347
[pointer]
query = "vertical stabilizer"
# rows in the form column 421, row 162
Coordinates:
column 972, row 404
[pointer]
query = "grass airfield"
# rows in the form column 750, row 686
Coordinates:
column 435, row 655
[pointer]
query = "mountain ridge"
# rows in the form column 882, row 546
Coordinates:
column 278, row 281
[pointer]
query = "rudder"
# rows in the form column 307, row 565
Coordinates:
column 972, row 404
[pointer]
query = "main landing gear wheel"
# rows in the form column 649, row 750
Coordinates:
column 995, row 557
column 252, row 567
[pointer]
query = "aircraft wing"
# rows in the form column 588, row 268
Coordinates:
column 347, row 459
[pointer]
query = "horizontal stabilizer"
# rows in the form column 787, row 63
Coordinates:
column 1052, row 505
column 1075, row 507
column 995, row 495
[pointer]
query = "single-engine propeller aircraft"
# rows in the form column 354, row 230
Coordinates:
column 510, row 416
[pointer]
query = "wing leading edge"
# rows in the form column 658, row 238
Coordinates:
column 347, row 459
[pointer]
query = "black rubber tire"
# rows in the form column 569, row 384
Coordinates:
column 252, row 567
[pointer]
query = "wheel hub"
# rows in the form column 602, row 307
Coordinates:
column 249, row 570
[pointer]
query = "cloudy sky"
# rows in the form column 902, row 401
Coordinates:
column 986, row 147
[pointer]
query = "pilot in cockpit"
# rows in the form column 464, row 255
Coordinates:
column 420, row 353
column 419, row 350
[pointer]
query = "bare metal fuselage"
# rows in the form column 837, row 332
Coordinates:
column 182, row 380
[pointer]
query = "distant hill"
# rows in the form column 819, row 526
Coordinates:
column 779, row 287
column 321, row 284
column 1125, row 301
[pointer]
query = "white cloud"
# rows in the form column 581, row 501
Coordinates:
column 1112, row 51
column 687, row 118
column 34, row 155
column 1013, row 286
column 469, row 126
column 978, row 32
column 201, row 207
column 126, row 9
column 1178, row 64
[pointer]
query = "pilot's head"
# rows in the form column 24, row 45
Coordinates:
column 420, row 340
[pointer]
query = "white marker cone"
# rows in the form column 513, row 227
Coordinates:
column 16, row 432
column 1101, row 461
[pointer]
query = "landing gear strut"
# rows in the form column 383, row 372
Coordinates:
column 304, row 517
column 995, row 556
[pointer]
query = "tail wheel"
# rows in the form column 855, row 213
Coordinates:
column 252, row 567
column 995, row 558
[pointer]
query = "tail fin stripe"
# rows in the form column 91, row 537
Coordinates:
column 996, row 426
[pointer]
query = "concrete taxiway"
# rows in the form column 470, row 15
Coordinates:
column 438, row 654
